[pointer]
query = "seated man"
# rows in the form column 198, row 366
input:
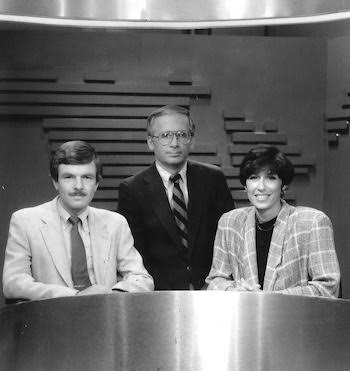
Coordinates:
column 65, row 247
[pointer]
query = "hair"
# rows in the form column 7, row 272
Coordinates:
column 169, row 110
column 266, row 157
column 75, row 152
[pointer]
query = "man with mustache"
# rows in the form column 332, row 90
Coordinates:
column 173, row 207
column 65, row 247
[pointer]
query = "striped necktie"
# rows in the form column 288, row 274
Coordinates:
column 180, row 210
column 80, row 275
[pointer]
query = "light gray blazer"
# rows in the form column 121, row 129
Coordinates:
column 36, row 264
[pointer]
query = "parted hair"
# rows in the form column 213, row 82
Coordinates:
column 266, row 157
column 75, row 152
column 169, row 110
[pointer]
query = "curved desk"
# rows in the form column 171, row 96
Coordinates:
column 176, row 331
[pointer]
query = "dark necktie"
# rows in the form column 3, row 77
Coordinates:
column 180, row 210
column 80, row 275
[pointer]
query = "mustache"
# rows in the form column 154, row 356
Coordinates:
column 78, row 193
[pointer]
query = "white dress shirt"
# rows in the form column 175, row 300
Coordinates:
column 169, row 185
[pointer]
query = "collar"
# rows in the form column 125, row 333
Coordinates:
column 64, row 215
column 165, row 175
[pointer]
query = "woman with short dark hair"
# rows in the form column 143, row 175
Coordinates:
column 271, row 245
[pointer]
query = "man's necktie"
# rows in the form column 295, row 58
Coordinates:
column 180, row 210
column 80, row 275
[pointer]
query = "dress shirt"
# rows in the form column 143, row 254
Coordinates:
column 169, row 184
column 84, row 232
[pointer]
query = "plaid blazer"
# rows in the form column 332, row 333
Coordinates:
column 301, row 260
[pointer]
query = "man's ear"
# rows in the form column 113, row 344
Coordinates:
column 192, row 142
column 150, row 143
column 54, row 184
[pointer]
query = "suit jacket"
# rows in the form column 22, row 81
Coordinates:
column 36, row 264
column 301, row 260
column 144, row 203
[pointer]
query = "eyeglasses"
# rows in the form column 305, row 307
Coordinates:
column 166, row 137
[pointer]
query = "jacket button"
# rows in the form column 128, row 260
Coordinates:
column 189, row 268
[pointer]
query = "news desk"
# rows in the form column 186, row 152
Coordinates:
column 176, row 331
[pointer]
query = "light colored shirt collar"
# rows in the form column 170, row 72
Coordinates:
column 165, row 175
column 64, row 215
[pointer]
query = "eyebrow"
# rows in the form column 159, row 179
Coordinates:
column 65, row 173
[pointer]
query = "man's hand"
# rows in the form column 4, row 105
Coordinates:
column 95, row 289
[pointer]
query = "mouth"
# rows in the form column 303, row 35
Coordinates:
column 262, row 197
column 78, row 195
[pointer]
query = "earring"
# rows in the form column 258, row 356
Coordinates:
column 283, row 191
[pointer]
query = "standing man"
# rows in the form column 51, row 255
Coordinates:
column 65, row 247
column 173, row 207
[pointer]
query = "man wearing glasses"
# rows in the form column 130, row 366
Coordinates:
column 173, row 207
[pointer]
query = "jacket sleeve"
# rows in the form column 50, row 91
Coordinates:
column 225, row 201
column 323, row 267
column 133, row 275
column 129, row 208
column 18, row 281
column 220, row 275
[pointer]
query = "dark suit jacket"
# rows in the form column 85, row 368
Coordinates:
column 144, row 203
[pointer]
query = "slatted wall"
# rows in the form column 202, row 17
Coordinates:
column 244, row 134
column 112, row 117
column 109, row 115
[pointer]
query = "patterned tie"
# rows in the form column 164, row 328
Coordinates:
column 79, row 270
column 180, row 210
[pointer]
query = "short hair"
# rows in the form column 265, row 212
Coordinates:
column 75, row 152
column 169, row 110
column 266, row 157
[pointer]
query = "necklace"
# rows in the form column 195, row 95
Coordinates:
column 269, row 225
column 265, row 230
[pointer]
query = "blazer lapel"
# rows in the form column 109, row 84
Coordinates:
column 160, row 203
column 100, row 238
column 276, row 247
column 196, row 198
column 249, row 257
column 53, row 238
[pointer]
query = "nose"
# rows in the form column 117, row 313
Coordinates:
column 261, row 183
column 174, row 140
column 78, row 183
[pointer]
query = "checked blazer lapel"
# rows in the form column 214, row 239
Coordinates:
column 249, row 261
column 159, row 201
column 276, row 247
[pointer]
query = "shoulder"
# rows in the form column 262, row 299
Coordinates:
column 308, row 216
column 106, row 215
column 237, row 216
column 201, row 166
column 307, row 212
column 139, row 177
column 206, row 171
column 36, row 211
